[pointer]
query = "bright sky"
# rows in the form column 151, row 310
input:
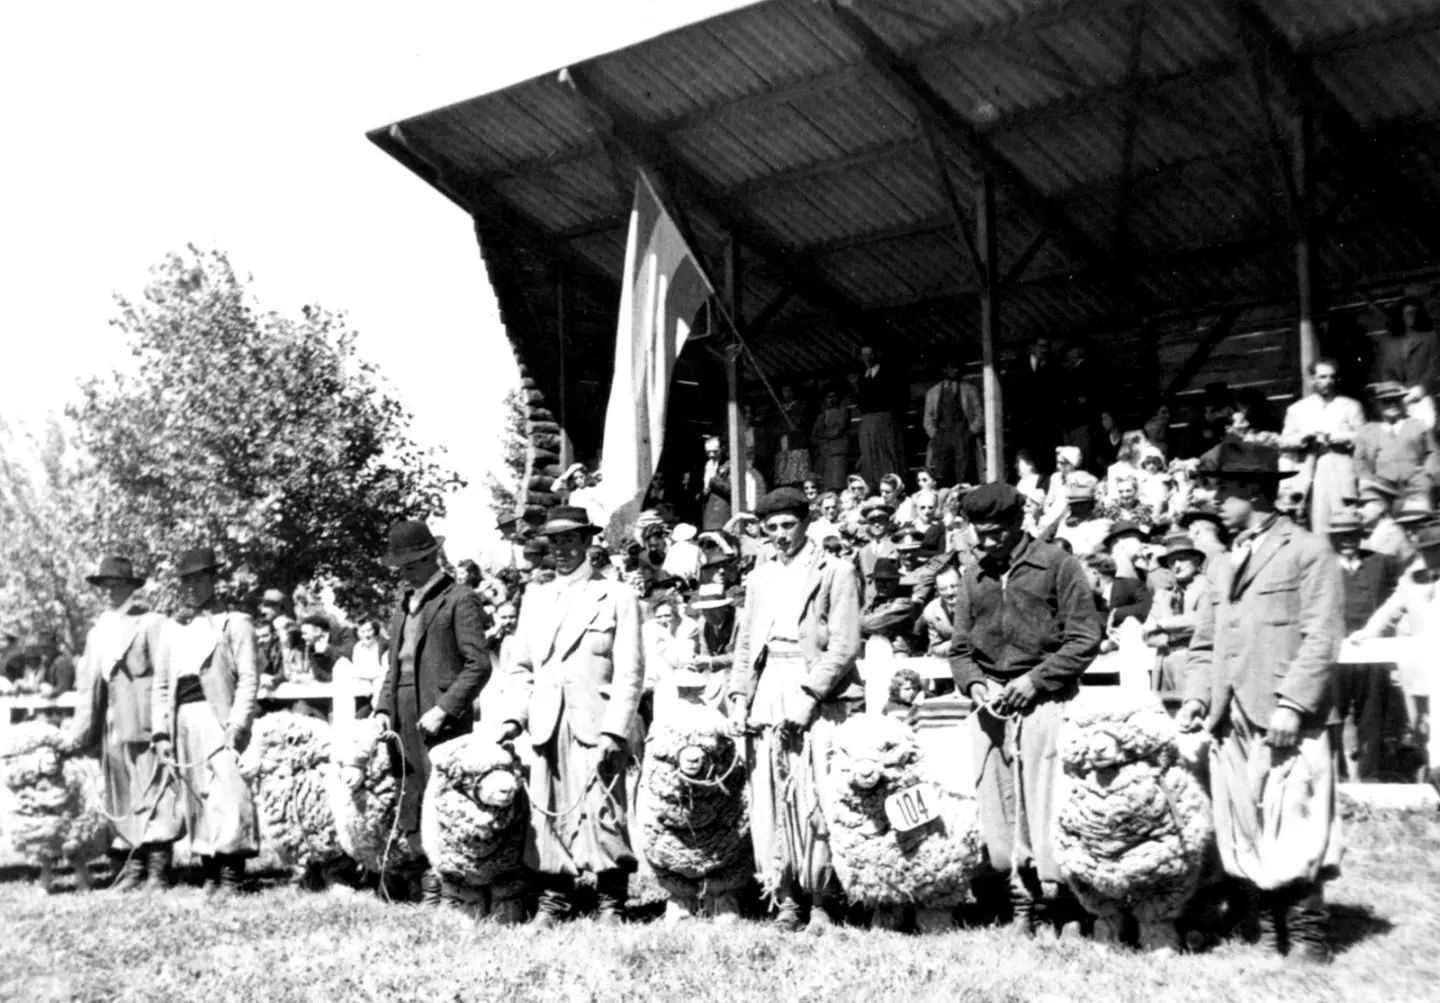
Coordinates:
column 135, row 128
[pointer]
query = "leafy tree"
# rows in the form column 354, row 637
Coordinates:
column 505, row 491
column 42, row 550
column 262, row 435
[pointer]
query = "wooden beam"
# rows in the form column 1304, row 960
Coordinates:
column 958, row 219
column 649, row 148
column 1017, row 270
column 739, row 460
column 880, row 153
column 757, row 324
column 1204, row 348
column 1301, row 145
column 525, row 170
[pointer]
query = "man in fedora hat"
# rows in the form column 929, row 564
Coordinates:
column 113, row 718
column 1375, row 501
column 1026, row 627
column 710, row 636
column 438, row 662
column 1365, row 703
column 1414, row 609
column 202, row 706
column 575, row 682
column 1260, row 678
column 1175, row 611
column 793, row 680
column 1396, row 448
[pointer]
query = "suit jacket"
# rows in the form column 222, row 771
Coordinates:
column 117, row 674
column 1387, row 456
column 577, row 652
column 1129, row 598
column 715, row 497
column 1271, row 635
column 452, row 662
column 829, row 627
column 229, row 675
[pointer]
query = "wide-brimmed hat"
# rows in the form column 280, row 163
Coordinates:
column 1414, row 509
column 1080, row 489
column 1122, row 528
column 410, row 540
column 1178, row 545
column 1251, row 462
column 712, row 595
column 195, row 560
column 886, row 568
column 116, row 569
column 1386, row 390
column 1373, row 490
column 568, row 519
column 717, row 547
column 1345, row 521
column 1427, row 537
column 1193, row 515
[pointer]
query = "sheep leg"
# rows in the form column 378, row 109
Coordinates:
column 82, row 876
column 724, row 906
column 934, row 920
column 679, row 908
column 888, row 917
column 1159, row 935
column 47, row 877
column 1109, row 927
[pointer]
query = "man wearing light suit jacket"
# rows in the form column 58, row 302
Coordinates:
column 793, row 680
column 574, row 681
column 1260, row 679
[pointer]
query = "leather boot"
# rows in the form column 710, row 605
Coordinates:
column 1309, row 925
column 1274, row 935
column 130, row 870
column 612, row 888
column 787, row 914
column 1025, row 912
column 232, row 875
column 431, row 890
column 553, row 907
column 157, row 867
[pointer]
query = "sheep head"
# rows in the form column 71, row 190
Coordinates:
column 1102, row 735
column 872, row 757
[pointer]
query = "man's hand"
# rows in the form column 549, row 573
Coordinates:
column 738, row 716
column 802, row 715
column 382, row 719
column 979, row 694
column 1190, row 716
column 1284, row 730
column 164, row 750
column 612, row 756
column 506, row 731
column 431, row 721
column 235, row 736
column 1019, row 695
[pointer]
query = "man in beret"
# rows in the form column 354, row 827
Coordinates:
column 1025, row 629
column 792, row 681
column 1260, row 679
column 437, row 664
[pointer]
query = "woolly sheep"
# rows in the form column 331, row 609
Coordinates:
column 365, row 796
column 694, row 827
column 928, row 868
column 472, row 824
column 1134, row 824
column 52, row 804
column 287, row 765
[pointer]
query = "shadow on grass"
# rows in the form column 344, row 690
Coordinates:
column 1353, row 924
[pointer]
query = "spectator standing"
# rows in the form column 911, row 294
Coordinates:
column 1409, row 354
column 1396, row 448
column 1319, row 439
column 1030, row 394
column 713, row 495
column 792, row 458
column 880, row 393
column 954, row 418
column 1078, row 400
column 830, row 442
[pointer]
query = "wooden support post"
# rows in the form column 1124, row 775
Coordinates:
column 566, row 448
column 1301, row 143
column 739, row 461
column 989, row 326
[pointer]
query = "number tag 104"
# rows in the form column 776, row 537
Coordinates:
column 912, row 807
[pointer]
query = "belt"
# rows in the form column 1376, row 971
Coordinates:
column 188, row 690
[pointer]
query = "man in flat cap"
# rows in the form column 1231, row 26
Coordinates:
column 793, row 679
column 113, row 717
column 1025, row 629
column 437, row 664
column 575, row 683
column 1260, row 678
column 202, row 707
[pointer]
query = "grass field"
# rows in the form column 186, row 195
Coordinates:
column 281, row 944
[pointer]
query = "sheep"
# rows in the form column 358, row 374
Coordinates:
column 472, row 825
column 51, row 803
column 288, row 767
column 928, row 867
column 1133, row 828
column 365, row 787
column 693, row 823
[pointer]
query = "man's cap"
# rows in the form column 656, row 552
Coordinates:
column 908, row 539
column 780, row 500
column 568, row 519
column 993, row 503
column 116, row 569
column 1427, row 537
column 886, row 568
column 1249, row 462
column 272, row 597
column 1374, row 490
column 1181, row 545
column 1200, row 514
column 1414, row 509
column 876, row 506
column 317, row 620
column 410, row 540
column 195, row 560
column 1080, row 489
column 1346, row 520
column 1123, row 527
column 1386, row 390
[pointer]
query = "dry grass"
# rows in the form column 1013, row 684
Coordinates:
column 343, row 945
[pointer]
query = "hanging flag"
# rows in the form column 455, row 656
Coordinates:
column 662, row 290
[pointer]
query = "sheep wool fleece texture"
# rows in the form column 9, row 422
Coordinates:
column 871, row 758
column 474, row 815
column 50, row 803
column 288, row 767
column 365, row 796
column 1134, row 827
column 695, row 831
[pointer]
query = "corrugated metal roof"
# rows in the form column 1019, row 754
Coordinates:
column 1153, row 167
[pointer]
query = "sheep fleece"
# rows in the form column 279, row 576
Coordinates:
column 466, row 840
column 287, row 765
column 1134, row 823
column 694, row 833
column 365, row 795
column 930, row 867
column 51, row 804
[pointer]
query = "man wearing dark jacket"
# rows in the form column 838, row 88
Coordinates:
column 438, row 663
column 1025, row 629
